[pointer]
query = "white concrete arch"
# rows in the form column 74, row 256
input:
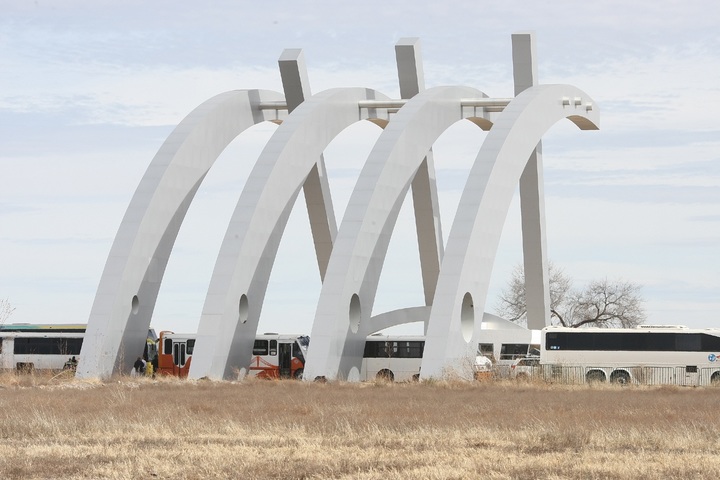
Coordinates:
column 400, row 316
column 238, row 285
column 406, row 315
column 128, row 289
column 342, row 319
column 472, row 244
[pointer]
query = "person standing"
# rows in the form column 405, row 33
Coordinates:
column 139, row 366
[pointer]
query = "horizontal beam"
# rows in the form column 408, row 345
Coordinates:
column 392, row 106
column 397, row 104
column 273, row 105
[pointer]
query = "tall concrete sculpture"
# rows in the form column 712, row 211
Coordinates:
column 350, row 258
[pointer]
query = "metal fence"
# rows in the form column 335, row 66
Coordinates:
column 634, row 375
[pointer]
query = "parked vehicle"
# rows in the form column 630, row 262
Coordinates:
column 645, row 355
column 26, row 347
column 274, row 355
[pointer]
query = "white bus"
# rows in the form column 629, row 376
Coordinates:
column 28, row 347
column 29, row 351
column 392, row 357
column 649, row 354
column 398, row 357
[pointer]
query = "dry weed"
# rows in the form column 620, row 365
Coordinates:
column 166, row 428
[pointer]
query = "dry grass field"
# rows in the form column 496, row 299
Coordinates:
column 144, row 428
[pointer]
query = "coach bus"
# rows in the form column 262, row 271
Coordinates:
column 274, row 355
column 28, row 347
column 648, row 354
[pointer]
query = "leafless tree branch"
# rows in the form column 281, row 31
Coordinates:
column 6, row 310
column 602, row 303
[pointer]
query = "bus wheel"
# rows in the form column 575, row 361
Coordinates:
column 715, row 379
column 595, row 376
column 620, row 377
column 416, row 377
column 386, row 375
column 298, row 374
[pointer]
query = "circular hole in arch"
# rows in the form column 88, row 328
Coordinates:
column 135, row 304
column 354, row 313
column 467, row 317
column 243, row 308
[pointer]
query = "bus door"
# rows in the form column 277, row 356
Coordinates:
column 179, row 358
column 285, row 359
column 692, row 377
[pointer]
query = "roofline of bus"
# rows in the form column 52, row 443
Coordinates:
column 640, row 328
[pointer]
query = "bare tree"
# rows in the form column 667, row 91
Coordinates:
column 512, row 304
column 605, row 304
column 601, row 304
column 6, row 310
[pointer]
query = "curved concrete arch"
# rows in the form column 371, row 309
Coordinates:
column 232, row 308
column 128, row 289
column 406, row 315
column 342, row 318
column 400, row 316
column 474, row 237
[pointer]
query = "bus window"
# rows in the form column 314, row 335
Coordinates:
column 511, row 351
column 190, row 346
column 303, row 341
column 688, row 343
column 273, row 347
column 371, row 349
column 179, row 352
column 260, row 347
column 486, row 349
column 297, row 352
column 167, row 347
column 379, row 349
column 47, row 346
column 630, row 341
column 410, row 349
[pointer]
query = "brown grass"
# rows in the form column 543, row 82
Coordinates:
column 142, row 428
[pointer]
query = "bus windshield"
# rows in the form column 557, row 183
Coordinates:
column 304, row 342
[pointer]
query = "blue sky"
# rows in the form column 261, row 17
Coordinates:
column 90, row 89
